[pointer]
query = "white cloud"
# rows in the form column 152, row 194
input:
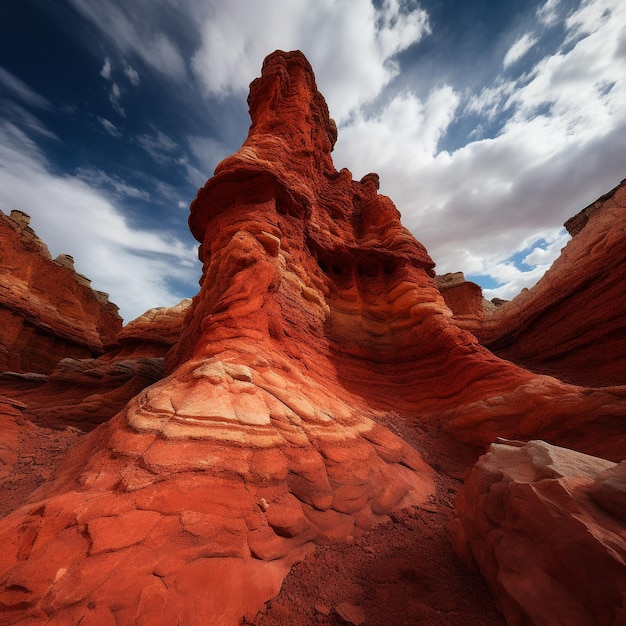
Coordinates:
column 131, row 74
column 17, row 87
column 159, row 146
column 99, row 179
column 133, row 266
column 115, row 95
column 107, row 68
column 110, row 127
column 19, row 115
column 562, row 146
column 130, row 28
column 350, row 45
column 548, row 13
column 519, row 49
column 208, row 152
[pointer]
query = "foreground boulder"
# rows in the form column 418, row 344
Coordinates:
column 541, row 523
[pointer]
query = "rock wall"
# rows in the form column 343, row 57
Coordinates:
column 47, row 310
column 83, row 393
column 572, row 323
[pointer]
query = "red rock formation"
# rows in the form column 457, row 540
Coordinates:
column 572, row 323
column 84, row 393
column 465, row 299
column 47, row 310
column 550, row 554
column 250, row 451
column 318, row 314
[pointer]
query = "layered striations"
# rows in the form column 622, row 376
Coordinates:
column 252, row 449
column 47, row 310
column 84, row 393
column 572, row 322
column 318, row 319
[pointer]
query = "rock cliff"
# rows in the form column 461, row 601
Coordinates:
column 572, row 322
column 318, row 337
column 47, row 310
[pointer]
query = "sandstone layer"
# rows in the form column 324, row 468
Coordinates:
column 47, row 310
column 251, row 450
column 83, row 393
column 318, row 320
column 572, row 322
column 551, row 549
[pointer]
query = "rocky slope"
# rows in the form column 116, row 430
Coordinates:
column 317, row 392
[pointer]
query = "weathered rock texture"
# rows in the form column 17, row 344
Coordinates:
column 84, row 393
column 572, row 322
column 251, row 450
column 318, row 319
column 465, row 299
column 47, row 310
column 551, row 549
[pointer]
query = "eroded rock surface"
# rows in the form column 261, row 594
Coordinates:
column 47, row 310
column 318, row 319
column 549, row 552
column 251, row 450
column 572, row 322
column 83, row 393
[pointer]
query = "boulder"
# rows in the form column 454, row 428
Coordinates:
column 551, row 555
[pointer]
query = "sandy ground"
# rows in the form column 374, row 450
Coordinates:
column 404, row 572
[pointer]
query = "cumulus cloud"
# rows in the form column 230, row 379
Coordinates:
column 519, row 49
column 350, row 45
column 561, row 145
column 135, row 266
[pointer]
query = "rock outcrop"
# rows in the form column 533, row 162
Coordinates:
column 541, row 524
column 318, row 320
column 251, row 450
column 572, row 322
column 83, row 393
column 47, row 310
column 465, row 299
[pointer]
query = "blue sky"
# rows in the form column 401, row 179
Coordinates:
column 489, row 122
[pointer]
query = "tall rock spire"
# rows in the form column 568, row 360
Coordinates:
column 317, row 320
